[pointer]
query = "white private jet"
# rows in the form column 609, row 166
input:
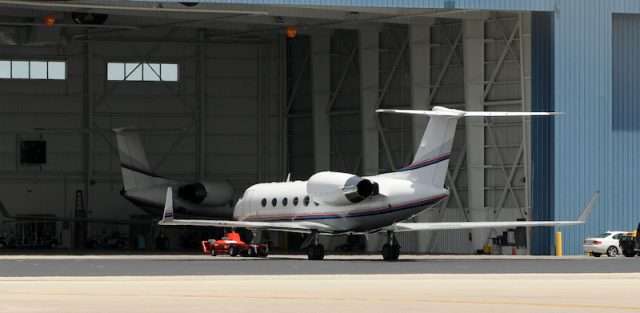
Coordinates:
column 332, row 203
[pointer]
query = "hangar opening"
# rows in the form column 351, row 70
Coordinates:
column 251, row 93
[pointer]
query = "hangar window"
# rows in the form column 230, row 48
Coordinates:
column 36, row 69
column 141, row 71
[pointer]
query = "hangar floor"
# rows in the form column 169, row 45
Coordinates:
column 339, row 284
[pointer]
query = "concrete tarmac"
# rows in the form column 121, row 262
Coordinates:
column 194, row 283
column 511, row 293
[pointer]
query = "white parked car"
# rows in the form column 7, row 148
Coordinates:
column 607, row 243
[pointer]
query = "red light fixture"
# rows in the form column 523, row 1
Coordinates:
column 49, row 20
column 292, row 32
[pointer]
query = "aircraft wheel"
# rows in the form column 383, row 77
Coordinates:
column 390, row 253
column 315, row 252
column 233, row 251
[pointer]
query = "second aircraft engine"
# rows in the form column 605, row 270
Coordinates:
column 340, row 188
column 207, row 193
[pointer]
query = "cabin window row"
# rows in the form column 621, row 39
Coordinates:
column 285, row 201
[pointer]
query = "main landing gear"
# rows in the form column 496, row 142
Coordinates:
column 391, row 249
column 315, row 251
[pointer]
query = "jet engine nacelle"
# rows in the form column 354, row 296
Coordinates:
column 340, row 188
column 206, row 193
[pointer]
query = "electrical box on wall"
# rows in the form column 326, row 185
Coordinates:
column 33, row 152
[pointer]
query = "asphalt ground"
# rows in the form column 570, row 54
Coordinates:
column 198, row 265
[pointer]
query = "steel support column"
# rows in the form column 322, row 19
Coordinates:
column 201, row 143
column 525, row 87
column 420, row 67
column 474, row 101
column 321, row 85
column 369, row 86
column 369, row 45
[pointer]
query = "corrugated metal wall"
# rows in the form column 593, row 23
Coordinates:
column 583, row 91
column 625, row 136
column 590, row 154
column 542, row 130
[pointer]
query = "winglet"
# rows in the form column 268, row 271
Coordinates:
column 4, row 212
column 167, row 215
column 587, row 209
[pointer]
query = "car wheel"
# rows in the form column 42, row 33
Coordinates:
column 213, row 252
column 612, row 251
column 233, row 251
column 595, row 254
column 628, row 253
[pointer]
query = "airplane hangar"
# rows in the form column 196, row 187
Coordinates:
column 258, row 91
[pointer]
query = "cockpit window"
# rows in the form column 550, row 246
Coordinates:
column 264, row 202
column 274, row 202
column 306, row 201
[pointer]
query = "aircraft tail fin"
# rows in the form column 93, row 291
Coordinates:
column 136, row 171
column 431, row 160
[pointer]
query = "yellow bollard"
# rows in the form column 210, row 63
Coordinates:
column 558, row 243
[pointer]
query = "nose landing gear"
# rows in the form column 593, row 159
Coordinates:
column 391, row 249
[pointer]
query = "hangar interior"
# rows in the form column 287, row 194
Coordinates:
column 247, row 94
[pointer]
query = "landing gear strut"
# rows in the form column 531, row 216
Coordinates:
column 315, row 251
column 391, row 249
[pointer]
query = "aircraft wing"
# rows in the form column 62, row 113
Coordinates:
column 403, row 227
column 293, row 226
column 298, row 227
column 5, row 213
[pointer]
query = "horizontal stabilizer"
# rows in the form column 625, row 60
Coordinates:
column 442, row 111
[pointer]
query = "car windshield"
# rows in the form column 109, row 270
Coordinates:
column 604, row 235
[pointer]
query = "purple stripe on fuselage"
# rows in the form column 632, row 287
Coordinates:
column 425, row 163
column 360, row 213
